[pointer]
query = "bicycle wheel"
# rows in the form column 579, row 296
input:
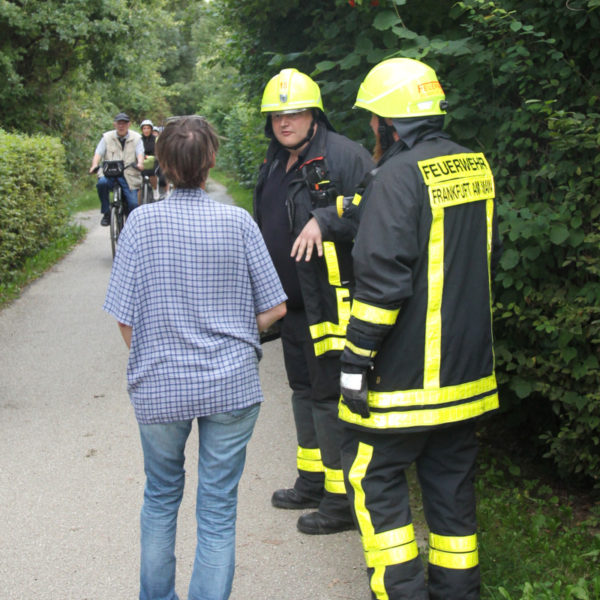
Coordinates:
column 145, row 192
column 114, row 228
column 117, row 219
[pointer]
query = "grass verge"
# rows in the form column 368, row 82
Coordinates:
column 536, row 543
column 37, row 265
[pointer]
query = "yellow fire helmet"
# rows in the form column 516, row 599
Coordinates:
column 401, row 87
column 290, row 91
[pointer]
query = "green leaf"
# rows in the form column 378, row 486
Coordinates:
column 509, row 260
column 521, row 387
column 558, row 234
column 324, row 65
column 386, row 19
column 351, row 60
column 515, row 26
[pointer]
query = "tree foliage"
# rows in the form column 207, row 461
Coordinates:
column 67, row 66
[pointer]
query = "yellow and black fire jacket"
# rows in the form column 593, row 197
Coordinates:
column 421, row 318
column 332, row 165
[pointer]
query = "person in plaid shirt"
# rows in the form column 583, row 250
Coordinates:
column 192, row 285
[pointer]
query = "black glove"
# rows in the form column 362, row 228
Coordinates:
column 353, row 386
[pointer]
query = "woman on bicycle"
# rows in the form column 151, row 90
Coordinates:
column 150, row 164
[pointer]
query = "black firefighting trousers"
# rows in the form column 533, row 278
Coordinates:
column 374, row 467
column 315, row 396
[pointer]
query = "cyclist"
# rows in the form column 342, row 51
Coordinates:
column 150, row 164
column 119, row 144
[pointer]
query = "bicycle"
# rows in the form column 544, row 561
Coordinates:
column 113, row 169
column 147, row 191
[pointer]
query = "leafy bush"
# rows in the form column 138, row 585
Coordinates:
column 536, row 112
column 244, row 145
column 523, row 86
column 33, row 198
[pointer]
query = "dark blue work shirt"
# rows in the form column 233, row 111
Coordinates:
column 275, row 227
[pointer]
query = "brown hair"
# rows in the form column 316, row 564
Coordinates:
column 186, row 150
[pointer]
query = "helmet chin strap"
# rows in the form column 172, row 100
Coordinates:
column 386, row 133
column 311, row 131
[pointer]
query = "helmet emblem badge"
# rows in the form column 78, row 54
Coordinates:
column 283, row 91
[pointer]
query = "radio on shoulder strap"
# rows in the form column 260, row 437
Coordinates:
column 321, row 190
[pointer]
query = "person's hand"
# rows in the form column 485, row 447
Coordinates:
column 353, row 387
column 305, row 243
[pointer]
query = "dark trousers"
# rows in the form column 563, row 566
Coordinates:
column 105, row 184
column 374, row 468
column 315, row 395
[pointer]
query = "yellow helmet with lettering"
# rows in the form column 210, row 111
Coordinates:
column 290, row 91
column 400, row 88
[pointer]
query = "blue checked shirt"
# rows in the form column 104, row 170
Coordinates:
column 190, row 275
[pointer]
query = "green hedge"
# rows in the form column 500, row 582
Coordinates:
column 244, row 145
column 523, row 86
column 33, row 198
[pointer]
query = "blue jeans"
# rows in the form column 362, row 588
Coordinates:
column 105, row 184
column 221, row 456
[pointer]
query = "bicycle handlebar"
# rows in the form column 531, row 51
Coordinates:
column 132, row 164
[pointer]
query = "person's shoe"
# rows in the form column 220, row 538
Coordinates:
column 315, row 523
column 290, row 498
column 105, row 222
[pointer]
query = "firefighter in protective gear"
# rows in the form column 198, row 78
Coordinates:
column 418, row 365
column 306, row 167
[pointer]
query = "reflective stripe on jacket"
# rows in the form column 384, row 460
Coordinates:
column 422, row 312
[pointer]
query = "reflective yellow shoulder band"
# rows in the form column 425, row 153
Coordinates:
column 373, row 314
column 404, row 419
column 309, row 459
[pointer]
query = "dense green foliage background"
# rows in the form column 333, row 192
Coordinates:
column 523, row 85
column 522, row 81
